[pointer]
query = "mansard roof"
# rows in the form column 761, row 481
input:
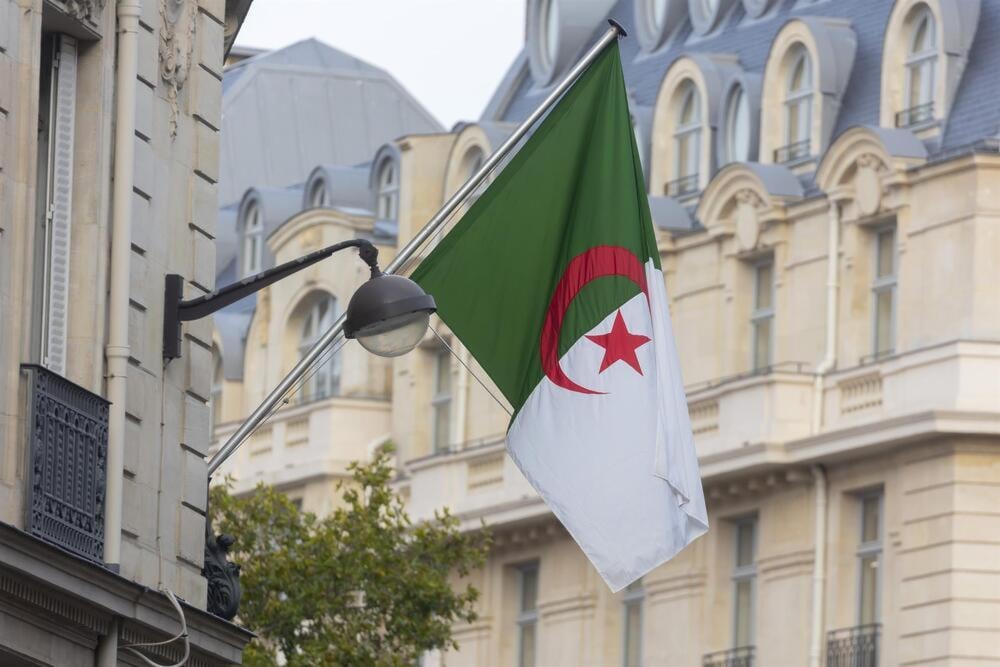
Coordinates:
column 286, row 111
column 972, row 121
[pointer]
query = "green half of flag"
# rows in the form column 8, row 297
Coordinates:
column 576, row 185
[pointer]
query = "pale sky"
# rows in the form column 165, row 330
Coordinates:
column 450, row 54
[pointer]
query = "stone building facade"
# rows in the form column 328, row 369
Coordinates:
column 109, row 153
column 822, row 176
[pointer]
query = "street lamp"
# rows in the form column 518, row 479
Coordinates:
column 388, row 314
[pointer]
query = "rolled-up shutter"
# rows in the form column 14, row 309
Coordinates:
column 60, row 207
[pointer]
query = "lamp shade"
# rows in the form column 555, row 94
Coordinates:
column 388, row 315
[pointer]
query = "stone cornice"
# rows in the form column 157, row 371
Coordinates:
column 58, row 585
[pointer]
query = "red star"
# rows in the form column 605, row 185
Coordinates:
column 620, row 345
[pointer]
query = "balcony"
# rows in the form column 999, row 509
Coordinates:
column 741, row 413
column 853, row 647
column 793, row 152
column 67, row 433
column 734, row 657
column 681, row 187
column 922, row 114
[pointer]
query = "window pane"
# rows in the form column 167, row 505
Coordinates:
column 883, row 321
column 762, row 343
column 443, row 374
column 886, row 241
column 869, row 589
column 744, row 613
column 633, row 634
column 527, row 646
column 529, row 589
column 744, row 544
column 870, row 519
column 442, row 425
column 764, row 287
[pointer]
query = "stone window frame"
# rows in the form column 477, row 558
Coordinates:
column 441, row 400
column 749, row 86
column 331, row 370
column 253, row 238
column 709, row 75
column 527, row 617
column 706, row 15
column 868, row 549
column 955, row 23
column 881, row 284
column 744, row 573
column 653, row 33
column 633, row 596
column 831, row 46
column 387, row 179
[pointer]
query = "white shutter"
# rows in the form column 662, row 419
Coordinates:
column 60, row 177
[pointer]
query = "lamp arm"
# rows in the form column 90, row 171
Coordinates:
column 176, row 310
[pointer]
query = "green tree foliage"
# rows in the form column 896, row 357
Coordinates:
column 362, row 586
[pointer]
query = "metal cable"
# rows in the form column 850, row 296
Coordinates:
column 471, row 372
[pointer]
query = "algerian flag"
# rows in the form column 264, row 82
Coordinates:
column 552, row 281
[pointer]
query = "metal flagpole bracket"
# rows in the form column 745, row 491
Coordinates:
column 618, row 26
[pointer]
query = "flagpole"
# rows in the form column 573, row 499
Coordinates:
column 433, row 225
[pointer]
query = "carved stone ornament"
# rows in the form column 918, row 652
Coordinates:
column 868, row 185
column 86, row 10
column 223, row 577
column 747, row 218
column 179, row 19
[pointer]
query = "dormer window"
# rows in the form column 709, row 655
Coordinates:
column 387, row 200
column 921, row 61
column 927, row 48
column 798, row 108
column 737, row 126
column 253, row 244
column 550, row 32
column 687, row 142
column 318, row 197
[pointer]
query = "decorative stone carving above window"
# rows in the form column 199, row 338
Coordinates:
column 177, row 35
column 80, row 18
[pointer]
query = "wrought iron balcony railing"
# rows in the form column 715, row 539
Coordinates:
column 685, row 185
column 918, row 115
column 853, row 647
column 68, row 445
column 741, row 656
column 792, row 152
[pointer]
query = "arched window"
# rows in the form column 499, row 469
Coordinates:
column 921, row 60
column 320, row 316
column 318, row 197
column 737, row 126
column 215, row 401
column 687, row 142
column 657, row 12
column 798, row 108
column 550, row 32
column 253, row 245
column 387, row 204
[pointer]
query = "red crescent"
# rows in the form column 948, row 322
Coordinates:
column 599, row 261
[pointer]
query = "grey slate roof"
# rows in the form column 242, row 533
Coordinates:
column 286, row 111
column 974, row 116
